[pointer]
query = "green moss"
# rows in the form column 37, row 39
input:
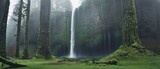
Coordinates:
column 125, row 52
column 131, row 47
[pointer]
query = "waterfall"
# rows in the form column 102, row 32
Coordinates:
column 72, row 40
column 75, row 5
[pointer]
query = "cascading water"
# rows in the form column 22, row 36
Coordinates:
column 75, row 5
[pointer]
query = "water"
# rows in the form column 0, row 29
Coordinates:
column 72, row 40
column 75, row 5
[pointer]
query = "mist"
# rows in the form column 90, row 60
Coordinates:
column 97, row 27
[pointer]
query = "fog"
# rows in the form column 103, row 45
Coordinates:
column 97, row 26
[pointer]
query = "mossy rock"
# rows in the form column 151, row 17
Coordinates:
column 112, row 62
column 65, row 59
column 109, row 62
column 42, row 57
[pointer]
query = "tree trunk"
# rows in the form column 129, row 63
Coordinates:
column 4, row 7
column 25, row 53
column 44, row 48
column 129, row 24
column 131, row 46
column 19, row 28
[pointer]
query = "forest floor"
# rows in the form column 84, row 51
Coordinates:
column 130, row 63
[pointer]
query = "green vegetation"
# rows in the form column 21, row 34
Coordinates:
column 128, row 63
column 131, row 45
column 129, row 52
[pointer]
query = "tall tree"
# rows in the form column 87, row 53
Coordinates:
column 25, row 53
column 4, row 7
column 19, row 28
column 44, row 48
column 131, row 44
column 129, row 24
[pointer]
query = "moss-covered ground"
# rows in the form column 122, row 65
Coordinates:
column 152, row 62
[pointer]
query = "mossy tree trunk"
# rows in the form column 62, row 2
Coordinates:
column 131, row 44
column 25, row 53
column 44, row 48
column 4, row 7
column 19, row 28
column 129, row 24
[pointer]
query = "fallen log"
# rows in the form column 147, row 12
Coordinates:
column 11, row 64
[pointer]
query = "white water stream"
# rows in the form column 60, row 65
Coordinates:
column 75, row 5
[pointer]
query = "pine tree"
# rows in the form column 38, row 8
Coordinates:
column 19, row 28
column 25, row 53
